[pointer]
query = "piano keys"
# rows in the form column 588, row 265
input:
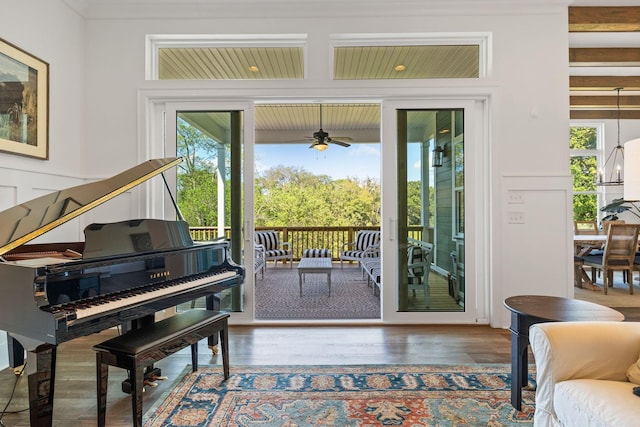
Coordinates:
column 123, row 273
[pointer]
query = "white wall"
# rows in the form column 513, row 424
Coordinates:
column 95, row 133
column 530, row 113
column 51, row 31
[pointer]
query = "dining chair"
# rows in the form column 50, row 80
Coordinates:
column 585, row 227
column 619, row 254
column 606, row 224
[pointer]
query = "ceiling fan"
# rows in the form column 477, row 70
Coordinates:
column 321, row 139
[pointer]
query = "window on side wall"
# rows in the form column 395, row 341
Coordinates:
column 585, row 153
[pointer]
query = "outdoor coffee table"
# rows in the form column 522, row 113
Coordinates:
column 527, row 310
column 314, row 265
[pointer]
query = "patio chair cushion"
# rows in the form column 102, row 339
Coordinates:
column 274, row 249
column 269, row 240
column 366, row 238
column 316, row 253
column 366, row 245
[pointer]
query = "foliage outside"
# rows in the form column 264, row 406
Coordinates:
column 584, row 170
column 284, row 196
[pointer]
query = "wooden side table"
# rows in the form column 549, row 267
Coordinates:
column 527, row 310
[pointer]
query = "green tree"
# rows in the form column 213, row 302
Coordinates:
column 584, row 172
column 284, row 196
column 197, row 176
column 292, row 196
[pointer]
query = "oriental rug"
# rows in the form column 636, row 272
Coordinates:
column 344, row 396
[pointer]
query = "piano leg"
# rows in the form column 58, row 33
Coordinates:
column 16, row 352
column 102, row 370
column 212, row 302
column 41, row 386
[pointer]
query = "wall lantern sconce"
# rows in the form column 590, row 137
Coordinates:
column 437, row 157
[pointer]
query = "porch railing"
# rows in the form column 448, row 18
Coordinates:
column 302, row 238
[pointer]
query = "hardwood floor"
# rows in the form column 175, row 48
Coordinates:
column 75, row 383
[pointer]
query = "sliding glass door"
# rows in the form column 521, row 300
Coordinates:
column 430, row 225
column 209, row 181
column 424, row 195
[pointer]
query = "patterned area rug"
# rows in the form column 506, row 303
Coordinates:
column 344, row 396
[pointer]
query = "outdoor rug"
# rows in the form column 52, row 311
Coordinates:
column 278, row 297
column 344, row 396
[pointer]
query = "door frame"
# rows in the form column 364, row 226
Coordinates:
column 477, row 102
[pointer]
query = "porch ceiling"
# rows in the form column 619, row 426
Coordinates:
column 294, row 123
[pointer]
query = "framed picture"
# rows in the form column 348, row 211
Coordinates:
column 24, row 103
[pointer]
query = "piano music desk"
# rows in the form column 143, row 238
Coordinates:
column 142, row 347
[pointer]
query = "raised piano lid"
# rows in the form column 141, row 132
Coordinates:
column 26, row 221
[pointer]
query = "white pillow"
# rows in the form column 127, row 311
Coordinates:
column 633, row 373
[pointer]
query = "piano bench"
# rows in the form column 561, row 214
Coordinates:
column 142, row 347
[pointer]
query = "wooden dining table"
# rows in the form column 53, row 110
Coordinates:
column 584, row 244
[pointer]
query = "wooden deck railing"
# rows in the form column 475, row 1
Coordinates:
column 302, row 238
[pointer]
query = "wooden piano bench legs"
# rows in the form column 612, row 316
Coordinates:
column 140, row 348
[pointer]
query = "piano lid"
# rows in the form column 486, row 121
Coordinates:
column 26, row 221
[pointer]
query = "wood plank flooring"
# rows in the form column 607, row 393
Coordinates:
column 75, row 383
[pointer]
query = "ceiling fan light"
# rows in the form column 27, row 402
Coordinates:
column 321, row 146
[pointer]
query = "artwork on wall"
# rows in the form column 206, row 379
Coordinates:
column 24, row 103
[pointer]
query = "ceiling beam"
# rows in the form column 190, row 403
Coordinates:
column 604, row 56
column 604, row 19
column 604, row 114
column 604, row 82
column 597, row 20
column 605, row 101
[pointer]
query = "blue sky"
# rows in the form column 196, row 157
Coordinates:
column 358, row 161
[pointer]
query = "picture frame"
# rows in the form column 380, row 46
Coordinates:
column 24, row 103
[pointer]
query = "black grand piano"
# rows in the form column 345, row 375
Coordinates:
column 121, row 275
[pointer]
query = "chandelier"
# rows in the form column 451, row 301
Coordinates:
column 616, row 157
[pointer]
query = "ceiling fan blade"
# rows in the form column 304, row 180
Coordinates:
column 300, row 141
column 337, row 142
column 343, row 138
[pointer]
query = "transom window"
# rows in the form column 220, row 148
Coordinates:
column 227, row 57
